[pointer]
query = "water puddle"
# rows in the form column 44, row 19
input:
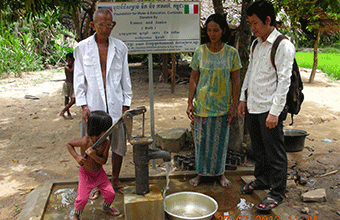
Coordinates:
column 232, row 205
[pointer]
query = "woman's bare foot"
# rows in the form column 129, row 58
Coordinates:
column 224, row 181
column 195, row 181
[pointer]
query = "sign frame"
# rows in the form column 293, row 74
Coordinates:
column 156, row 27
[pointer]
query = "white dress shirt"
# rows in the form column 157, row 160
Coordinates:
column 266, row 88
column 88, row 80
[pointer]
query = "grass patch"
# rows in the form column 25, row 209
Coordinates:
column 329, row 63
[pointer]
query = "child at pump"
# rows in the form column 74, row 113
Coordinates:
column 91, row 172
column 68, row 91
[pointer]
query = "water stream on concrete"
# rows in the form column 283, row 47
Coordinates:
column 168, row 166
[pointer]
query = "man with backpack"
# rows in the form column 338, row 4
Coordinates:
column 263, row 98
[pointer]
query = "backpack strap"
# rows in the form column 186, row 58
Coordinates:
column 274, row 48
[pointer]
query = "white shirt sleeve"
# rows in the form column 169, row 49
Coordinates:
column 79, row 81
column 126, row 81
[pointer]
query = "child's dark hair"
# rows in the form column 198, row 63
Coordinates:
column 70, row 56
column 97, row 122
column 262, row 9
column 222, row 22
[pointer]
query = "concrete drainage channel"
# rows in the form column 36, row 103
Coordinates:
column 41, row 202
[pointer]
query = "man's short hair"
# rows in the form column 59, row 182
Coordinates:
column 97, row 122
column 262, row 9
column 103, row 11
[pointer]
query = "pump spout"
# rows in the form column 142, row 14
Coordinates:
column 155, row 154
column 141, row 152
column 141, row 156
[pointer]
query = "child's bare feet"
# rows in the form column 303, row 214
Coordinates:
column 75, row 217
column 62, row 114
column 111, row 211
column 69, row 117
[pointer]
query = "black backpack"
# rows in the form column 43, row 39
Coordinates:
column 295, row 96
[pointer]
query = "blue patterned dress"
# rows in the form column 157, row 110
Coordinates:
column 213, row 99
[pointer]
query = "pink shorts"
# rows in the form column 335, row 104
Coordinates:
column 89, row 180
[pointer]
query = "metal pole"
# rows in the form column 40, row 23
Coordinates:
column 152, row 118
column 173, row 74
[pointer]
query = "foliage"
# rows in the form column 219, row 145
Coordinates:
column 34, row 7
column 55, row 53
column 49, row 30
column 17, row 54
column 325, row 41
column 29, row 43
column 302, row 10
column 327, row 62
column 330, row 41
column 313, row 17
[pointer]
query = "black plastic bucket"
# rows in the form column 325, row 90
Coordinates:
column 294, row 139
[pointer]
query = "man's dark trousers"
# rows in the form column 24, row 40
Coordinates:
column 270, row 155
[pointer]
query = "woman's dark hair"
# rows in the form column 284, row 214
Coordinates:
column 262, row 9
column 222, row 22
column 97, row 122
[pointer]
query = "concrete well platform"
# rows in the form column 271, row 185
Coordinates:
column 55, row 200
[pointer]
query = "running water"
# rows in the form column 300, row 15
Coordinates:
column 168, row 166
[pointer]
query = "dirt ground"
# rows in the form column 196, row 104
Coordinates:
column 33, row 135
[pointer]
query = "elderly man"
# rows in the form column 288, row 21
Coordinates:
column 102, row 82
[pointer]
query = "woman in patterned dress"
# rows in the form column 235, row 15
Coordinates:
column 213, row 94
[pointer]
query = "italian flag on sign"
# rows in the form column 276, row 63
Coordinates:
column 191, row 9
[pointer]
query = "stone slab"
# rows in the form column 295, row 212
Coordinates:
column 143, row 207
column 172, row 139
column 318, row 195
column 36, row 203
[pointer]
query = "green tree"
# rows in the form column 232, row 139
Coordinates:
column 314, row 17
column 80, row 10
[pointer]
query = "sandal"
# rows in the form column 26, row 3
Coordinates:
column 245, row 189
column 94, row 194
column 111, row 211
column 268, row 204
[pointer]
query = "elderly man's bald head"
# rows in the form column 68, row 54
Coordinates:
column 102, row 11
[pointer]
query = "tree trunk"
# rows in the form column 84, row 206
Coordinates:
column 244, row 38
column 237, row 130
column 218, row 6
column 173, row 72
column 165, row 67
column 76, row 21
column 315, row 62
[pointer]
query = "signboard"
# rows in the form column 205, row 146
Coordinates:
column 156, row 27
